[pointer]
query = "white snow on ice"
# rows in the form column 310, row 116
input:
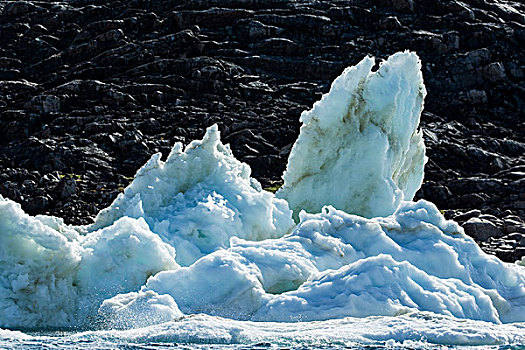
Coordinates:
column 196, row 234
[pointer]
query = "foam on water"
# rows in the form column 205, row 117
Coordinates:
column 417, row 330
column 414, row 327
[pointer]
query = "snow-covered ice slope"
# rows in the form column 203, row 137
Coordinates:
column 198, row 198
column 359, row 149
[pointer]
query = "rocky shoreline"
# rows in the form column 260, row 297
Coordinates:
column 90, row 89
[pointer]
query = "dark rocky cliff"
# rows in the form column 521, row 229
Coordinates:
column 90, row 89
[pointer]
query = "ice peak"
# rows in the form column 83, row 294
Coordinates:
column 199, row 198
column 359, row 148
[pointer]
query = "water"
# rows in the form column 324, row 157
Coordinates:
column 418, row 330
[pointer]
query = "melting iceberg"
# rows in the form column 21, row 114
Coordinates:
column 359, row 149
column 51, row 276
column 335, row 265
column 198, row 199
column 195, row 234
column 174, row 212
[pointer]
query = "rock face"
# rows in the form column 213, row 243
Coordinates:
column 88, row 91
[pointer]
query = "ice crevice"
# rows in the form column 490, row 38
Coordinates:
column 196, row 234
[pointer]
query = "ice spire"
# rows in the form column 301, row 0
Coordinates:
column 359, row 148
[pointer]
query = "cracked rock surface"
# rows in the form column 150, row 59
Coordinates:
column 90, row 89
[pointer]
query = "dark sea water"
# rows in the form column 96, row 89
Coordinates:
column 58, row 342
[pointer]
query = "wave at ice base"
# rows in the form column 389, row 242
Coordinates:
column 200, row 209
column 412, row 330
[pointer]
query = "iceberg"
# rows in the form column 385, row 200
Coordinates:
column 52, row 276
column 39, row 257
column 196, row 234
column 198, row 199
column 359, row 149
column 336, row 265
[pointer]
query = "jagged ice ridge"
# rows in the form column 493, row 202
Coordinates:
column 196, row 234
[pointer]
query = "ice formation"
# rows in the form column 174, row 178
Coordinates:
column 39, row 258
column 198, row 199
column 51, row 276
column 359, row 149
column 336, row 265
column 195, row 234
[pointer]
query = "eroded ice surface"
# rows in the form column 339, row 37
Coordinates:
column 195, row 234
column 198, row 198
column 359, row 149
column 336, row 265
column 50, row 276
